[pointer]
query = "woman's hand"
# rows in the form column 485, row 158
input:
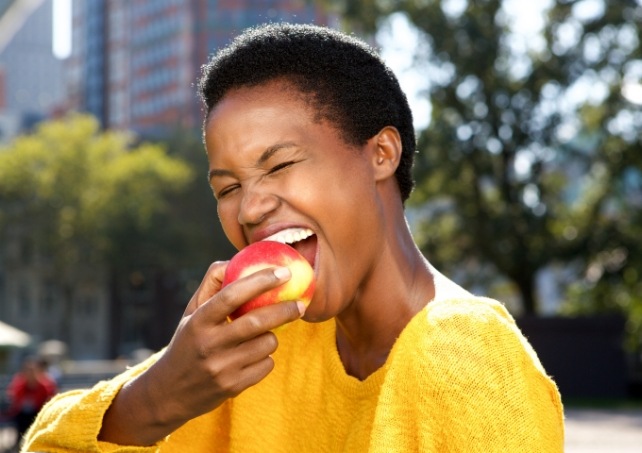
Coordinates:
column 208, row 360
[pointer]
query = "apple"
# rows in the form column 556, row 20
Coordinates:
column 264, row 254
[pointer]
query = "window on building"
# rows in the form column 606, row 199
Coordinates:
column 23, row 301
column 48, row 298
column 26, row 251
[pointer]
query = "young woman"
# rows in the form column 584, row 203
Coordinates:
column 309, row 136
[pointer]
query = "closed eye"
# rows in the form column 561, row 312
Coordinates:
column 227, row 190
column 281, row 166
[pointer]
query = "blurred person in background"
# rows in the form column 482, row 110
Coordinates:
column 28, row 391
column 310, row 142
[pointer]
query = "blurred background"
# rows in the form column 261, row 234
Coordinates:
column 529, row 170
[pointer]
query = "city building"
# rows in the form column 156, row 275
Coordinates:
column 135, row 64
column 31, row 77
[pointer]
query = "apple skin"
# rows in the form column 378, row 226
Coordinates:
column 264, row 254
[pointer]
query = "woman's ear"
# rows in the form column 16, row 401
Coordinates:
column 386, row 152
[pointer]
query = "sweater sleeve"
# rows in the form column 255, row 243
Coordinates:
column 71, row 421
column 466, row 380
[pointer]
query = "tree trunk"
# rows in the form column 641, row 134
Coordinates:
column 66, row 323
column 164, row 305
column 115, row 315
column 526, row 286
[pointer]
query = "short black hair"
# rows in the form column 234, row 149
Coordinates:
column 345, row 80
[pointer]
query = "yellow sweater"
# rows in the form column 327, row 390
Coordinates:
column 460, row 378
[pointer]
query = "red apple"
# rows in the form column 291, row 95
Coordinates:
column 264, row 254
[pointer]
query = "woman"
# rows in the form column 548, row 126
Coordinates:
column 308, row 132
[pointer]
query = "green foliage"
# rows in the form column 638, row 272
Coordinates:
column 201, row 233
column 101, row 209
column 74, row 188
column 532, row 156
column 612, row 280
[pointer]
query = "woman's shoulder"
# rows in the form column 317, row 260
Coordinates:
column 470, row 309
column 454, row 304
column 461, row 326
column 467, row 339
column 463, row 312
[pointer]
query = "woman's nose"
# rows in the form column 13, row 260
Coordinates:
column 256, row 205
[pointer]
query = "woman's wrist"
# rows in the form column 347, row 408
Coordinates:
column 138, row 416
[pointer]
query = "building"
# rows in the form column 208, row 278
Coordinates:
column 135, row 64
column 31, row 77
column 35, row 299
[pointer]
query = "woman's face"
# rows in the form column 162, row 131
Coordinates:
column 275, row 170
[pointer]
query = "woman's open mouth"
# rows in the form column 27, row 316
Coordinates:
column 302, row 239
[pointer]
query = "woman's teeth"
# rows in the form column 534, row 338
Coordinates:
column 290, row 235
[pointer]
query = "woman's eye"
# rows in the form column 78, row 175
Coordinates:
column 226, row 191
column 280, row 167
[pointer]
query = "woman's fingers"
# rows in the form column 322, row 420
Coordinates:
column 264, row 319
column 255, row 373
column 211, row 359
column 216, row 303
column 210, row 285
column 232, row 370
column 228, row 299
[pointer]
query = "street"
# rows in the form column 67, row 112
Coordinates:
column 603, row 431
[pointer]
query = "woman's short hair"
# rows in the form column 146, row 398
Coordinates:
column 342, row 77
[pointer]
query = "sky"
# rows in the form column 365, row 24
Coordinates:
column 61, row 28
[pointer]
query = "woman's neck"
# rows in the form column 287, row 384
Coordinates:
column 399, row 286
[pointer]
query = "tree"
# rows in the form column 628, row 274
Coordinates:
column 87, row 198
column 532, row 153
column 202, row 232
column 191, row 237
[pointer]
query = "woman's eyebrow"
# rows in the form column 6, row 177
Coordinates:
column 217, row 172
column 264, row 157
column 270, row 151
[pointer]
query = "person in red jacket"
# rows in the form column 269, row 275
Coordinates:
column 28, row 391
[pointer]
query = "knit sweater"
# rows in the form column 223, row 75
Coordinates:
column 460, row 378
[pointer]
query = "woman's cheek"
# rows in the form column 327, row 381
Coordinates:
column 228, row 216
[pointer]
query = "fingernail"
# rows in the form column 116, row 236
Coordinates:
column 301, row 306
column 282, row 273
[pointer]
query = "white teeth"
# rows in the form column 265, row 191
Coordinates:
column 290, row 235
